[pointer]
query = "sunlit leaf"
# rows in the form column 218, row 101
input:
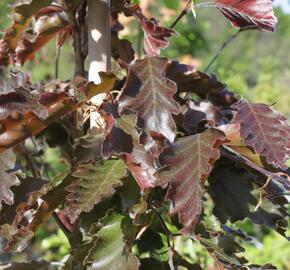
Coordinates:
column 235, row 142
column 21, row 192
column 22, row 17
column 95, row 183
column 266, row 130
column 249, row 13
column 58, row 98
column 187, row 163
column 49, row 22
column 7, row 177
column 155, row 36
column 142, row 166
column 148, row 93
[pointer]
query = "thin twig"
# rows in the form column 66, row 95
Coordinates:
column 187, row 8
column 139, row 42
column 233, row 155
column 61, row 226
column 57, row 62
column 224, row 45
column 182, row 14
column 260, row 202
column 30, row 162
column 168, row 235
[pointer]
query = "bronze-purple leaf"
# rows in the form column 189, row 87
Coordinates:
column 22, row 17
column 249, row 13
column 141, row 164
column 21, row 193
column 266, row 130
column 7, row 179
column 149, row 93
column 50, row 21
column 155, row 36
column 187, row 163
column 122, row 49
column 199, row 114
column 21, row 102
column 120, row 129
column 203, row 85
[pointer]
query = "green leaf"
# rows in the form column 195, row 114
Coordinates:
column 110, row 250
column 95, row 183
column 154, row 244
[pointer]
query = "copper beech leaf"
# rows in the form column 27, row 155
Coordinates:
column 50, row 21
column 7, row 179
column 88, row 148
column 110, row 250
column 141, row 164
column 22, row 194
column 203, row 85
column 235, row 142
column 120, row 128
column 249, row 13
column 231, row 190
column 123, row 138
column 200, row 114
column 21, row 101
column 226, row 252
column 122, row 49
column 22, row 17
column 94, row 183
column 149, row 93
column 23, row 228
column 155, row 36
column 58, row 98
column 187, row 163
column 266, row 130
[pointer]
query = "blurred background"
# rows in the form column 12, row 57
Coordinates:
column 256, row 65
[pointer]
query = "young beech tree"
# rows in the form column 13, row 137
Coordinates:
column 172, row 141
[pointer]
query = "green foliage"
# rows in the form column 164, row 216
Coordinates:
column 274, row 247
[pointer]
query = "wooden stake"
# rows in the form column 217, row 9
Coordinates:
column 99, row 55
column 99, row 38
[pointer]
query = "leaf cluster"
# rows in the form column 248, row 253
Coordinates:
column 170, row 139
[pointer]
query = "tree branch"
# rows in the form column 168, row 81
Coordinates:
column 182, row 14
column 224, row 45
